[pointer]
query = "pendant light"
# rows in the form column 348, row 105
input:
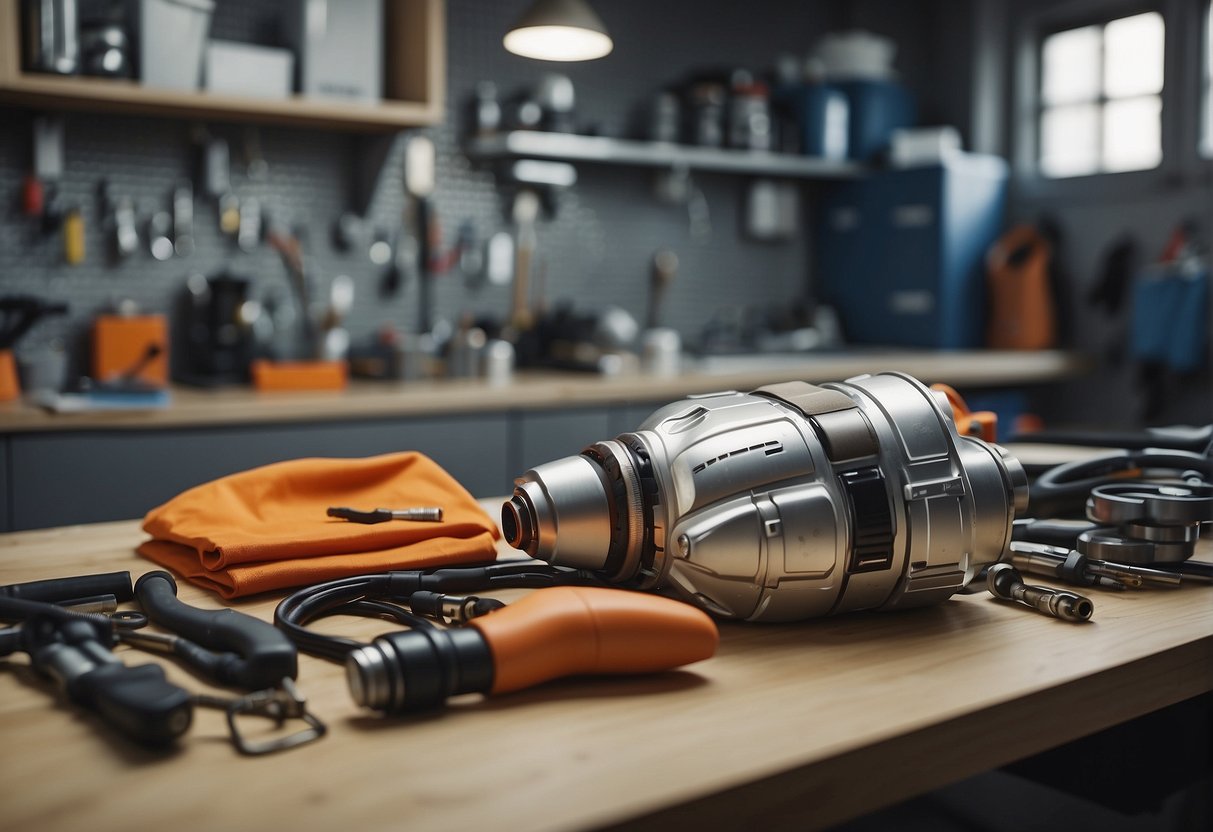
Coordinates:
column 559, row 30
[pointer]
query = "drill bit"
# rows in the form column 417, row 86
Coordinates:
column 1004, row 581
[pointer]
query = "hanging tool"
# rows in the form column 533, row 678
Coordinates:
column 47, row 167
column 183, row 220
column 73, row 236
column 665, row 269
column 290, row 250
column 419, row 163
column 525, row 212
column 18, row 313
column 431, row 514
column 1004, row 582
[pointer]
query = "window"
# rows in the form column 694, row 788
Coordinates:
column 1206, row 144
column 1100, row 97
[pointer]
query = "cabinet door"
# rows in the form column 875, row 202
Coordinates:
column 65, row 478
column 6, row 493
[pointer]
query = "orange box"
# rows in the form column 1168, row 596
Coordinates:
column 121, row 343
column 10, row 387
column 299, row 375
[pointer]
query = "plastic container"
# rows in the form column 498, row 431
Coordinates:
column 172, row 41
column 875, row 110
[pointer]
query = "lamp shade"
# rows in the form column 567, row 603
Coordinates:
column 559, row 30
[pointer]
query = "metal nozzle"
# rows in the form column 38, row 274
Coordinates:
column 566, row 498
column 369, row 675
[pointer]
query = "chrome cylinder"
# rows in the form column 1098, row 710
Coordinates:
column 789, row 502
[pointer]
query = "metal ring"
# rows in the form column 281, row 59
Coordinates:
column 1107, row 544
column 128, row 619
column 1157, row 533
column 635, row 507
column 1160, row 503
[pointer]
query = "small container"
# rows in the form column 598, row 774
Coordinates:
column 498, row 362
column 706, row 126
column 750, row 117
column 172, row 38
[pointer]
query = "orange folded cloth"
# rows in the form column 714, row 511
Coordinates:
column 266, row 528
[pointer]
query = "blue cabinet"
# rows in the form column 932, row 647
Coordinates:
column 901, row 253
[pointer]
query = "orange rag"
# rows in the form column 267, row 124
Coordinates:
column 266, row 528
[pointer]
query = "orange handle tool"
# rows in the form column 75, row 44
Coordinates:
column 553, row 632
column 570, row 630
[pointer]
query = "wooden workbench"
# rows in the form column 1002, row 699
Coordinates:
column 801, row 725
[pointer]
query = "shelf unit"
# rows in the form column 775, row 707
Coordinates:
column 527, row 144
column 414, row 83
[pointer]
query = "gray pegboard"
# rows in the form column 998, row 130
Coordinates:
column 595, row 251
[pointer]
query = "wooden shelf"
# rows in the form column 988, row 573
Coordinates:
column 415, row 83
column 526, row 144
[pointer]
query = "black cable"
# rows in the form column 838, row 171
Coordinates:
column 1063, row 489
column 381, row 596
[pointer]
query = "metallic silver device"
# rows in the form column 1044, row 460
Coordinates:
column 789, row 502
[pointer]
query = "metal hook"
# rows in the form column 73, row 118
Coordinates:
column 279, row 704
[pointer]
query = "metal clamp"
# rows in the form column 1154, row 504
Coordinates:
column 279, row 704
column 1163, row 504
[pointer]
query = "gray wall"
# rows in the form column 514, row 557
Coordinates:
column 596, row 250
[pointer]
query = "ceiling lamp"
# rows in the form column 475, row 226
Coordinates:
column 559, row 30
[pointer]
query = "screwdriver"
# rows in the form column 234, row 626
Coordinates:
column 1073, row 566
column 431, row 514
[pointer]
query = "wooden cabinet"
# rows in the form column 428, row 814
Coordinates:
column 414, row 82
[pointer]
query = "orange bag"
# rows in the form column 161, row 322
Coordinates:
column 1022, row 316
column 266, row 529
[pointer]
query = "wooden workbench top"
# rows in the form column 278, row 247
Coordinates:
column 819, row 721
column 539, row 389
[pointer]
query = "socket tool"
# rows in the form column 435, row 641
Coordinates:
column 1004, row 582
column 792, row 501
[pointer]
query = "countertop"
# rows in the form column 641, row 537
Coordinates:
column 789, row 726
column 531, row 389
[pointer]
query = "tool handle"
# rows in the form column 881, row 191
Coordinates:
column 138, row 701
column 565, row 631
column 59, row 590
column 259, row 654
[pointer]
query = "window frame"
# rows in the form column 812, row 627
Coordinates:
column 1178, row 159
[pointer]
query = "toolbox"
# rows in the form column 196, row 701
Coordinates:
column 900, row 253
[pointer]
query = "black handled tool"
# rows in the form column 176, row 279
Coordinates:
column 432, row 514
column 230, row 647
column 68, row 591
column 74, row 650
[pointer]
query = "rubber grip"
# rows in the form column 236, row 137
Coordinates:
column 263, row 653
column 565, row 631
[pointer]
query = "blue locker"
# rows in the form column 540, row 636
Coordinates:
column 901, row 253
